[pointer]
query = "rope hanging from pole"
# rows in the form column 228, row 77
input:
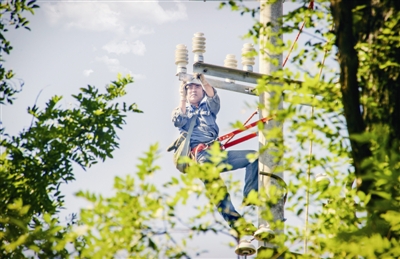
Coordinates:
column 310, row 6
column 309, row 165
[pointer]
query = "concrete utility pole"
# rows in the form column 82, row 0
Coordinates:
column 269, row 13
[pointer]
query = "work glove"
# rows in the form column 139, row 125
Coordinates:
column 183, row 91
column 199, row 76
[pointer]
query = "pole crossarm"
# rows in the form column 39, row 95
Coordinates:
column 235, row 87
column 234, row 74
column 231, row 86
column 237, row 74
column 226, row 72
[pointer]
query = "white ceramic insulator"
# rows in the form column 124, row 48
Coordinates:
column 199, row 46
column 247, row 62
column 181, row 58
column 230, row 61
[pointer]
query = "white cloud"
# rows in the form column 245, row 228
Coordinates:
column 87, row 72
column 171, row 15
column 136, row 31
column 155, row 13
column 114, row 66
column 89, row 16
column 100, row 16
column 136, row 47
column 137, row 76
column 112, row 63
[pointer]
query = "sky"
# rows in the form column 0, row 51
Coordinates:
column 77, row 43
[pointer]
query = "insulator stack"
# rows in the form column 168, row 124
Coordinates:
column 230, row 61
column 199, row 46
column 247, row 61
column 181, row 58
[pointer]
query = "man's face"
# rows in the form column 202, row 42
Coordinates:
column 195, row 94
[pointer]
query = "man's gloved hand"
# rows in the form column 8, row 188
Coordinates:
column 199, row 76
column 183, row 91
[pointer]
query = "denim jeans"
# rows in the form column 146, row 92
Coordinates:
column 237, row 159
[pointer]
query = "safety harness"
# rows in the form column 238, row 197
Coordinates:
column 229, row 136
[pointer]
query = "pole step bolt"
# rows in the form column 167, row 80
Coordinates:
column 264, row 233
column 245, row 248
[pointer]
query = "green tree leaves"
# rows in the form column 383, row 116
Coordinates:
column 38, row 160
column 353, row 131
column 350, row 129
column 11, row 15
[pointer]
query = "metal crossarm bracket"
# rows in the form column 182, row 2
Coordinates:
column 226, row 72
column 235, row 74
column 220, row 84
column 235, row 87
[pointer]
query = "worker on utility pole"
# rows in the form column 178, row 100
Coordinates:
column 198, row 97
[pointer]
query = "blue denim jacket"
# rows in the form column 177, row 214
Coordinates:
column 205, row 129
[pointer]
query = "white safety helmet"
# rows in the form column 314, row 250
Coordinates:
column 194, row 81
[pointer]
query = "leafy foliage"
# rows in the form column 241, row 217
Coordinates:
column 37, row 161
column 128, row 224
column 350, row 123
column 349, row 127
column 11, row 14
